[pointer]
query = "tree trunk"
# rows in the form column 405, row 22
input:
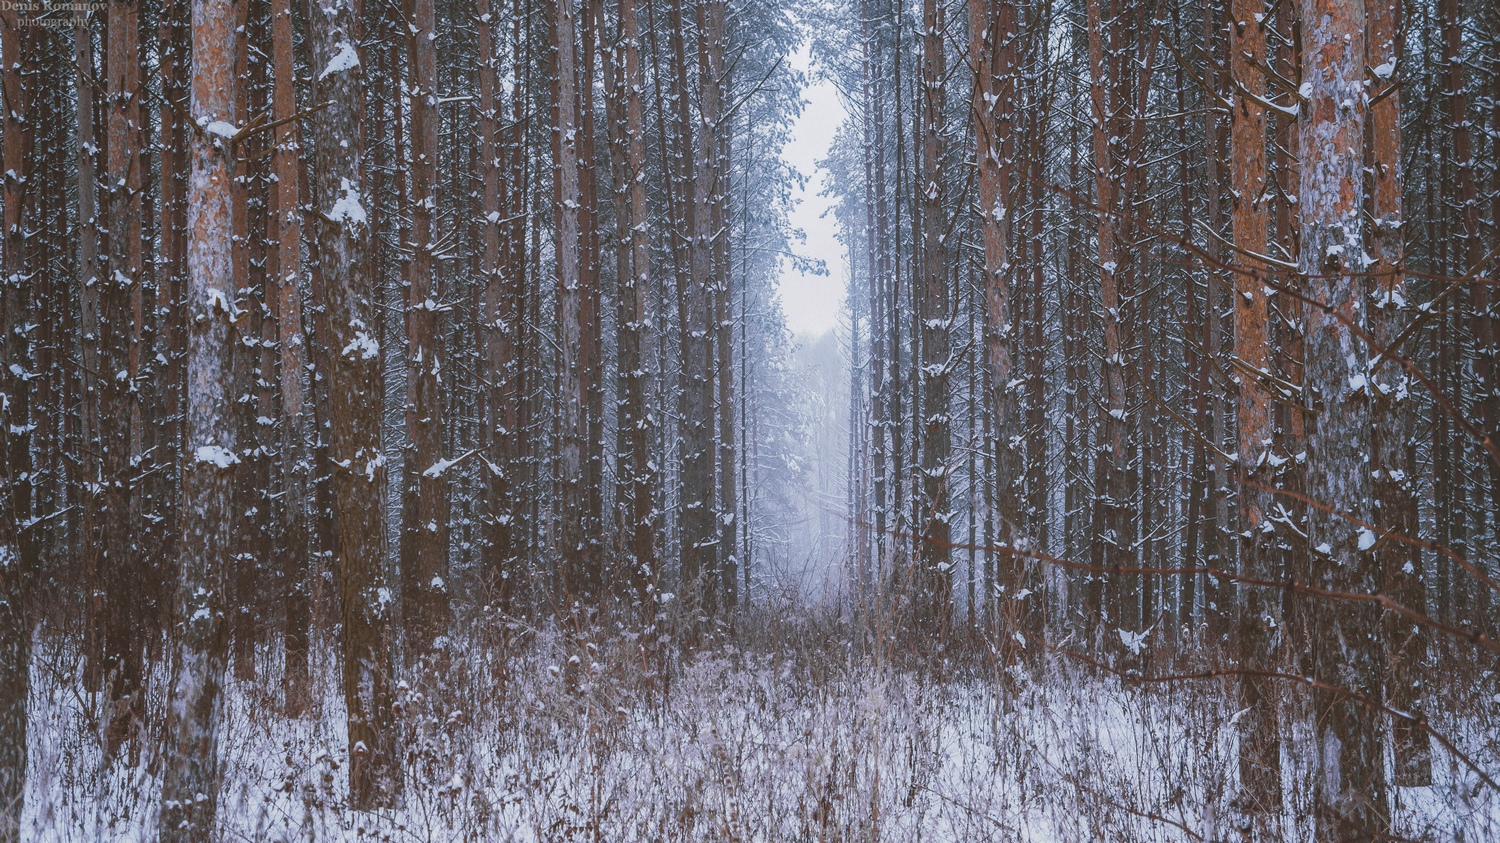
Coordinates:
column 879, row 270
column 1111, row 542
column 1260, row 741
column 1482, row 321
column 934, row 579
column 992, row 52
column 190, row 781
column 573, row 429
column 498, row 328
column 1393, row 427
column 173, row 40
column 424, row 546
column 724, row 351
column 17, row 547
column 288, row 292
column 591, row 349
column 699, row 554
column 638, row 479
column 90, row 465
column 355, row 400
column 119, row 321
column 1350, row 788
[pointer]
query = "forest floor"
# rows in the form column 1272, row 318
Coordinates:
column 801, row 742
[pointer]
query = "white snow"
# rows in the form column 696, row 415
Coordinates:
column 345, row 57
column 348, row 208
column 1133, row 641
column 751, row 743
column 220, row 128
column 221, row 457
column 364, row 344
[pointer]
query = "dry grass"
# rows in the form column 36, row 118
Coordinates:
column 794, row 728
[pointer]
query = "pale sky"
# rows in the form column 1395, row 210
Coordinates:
column 812, row 302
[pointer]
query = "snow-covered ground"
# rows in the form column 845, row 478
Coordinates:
column 807, row 744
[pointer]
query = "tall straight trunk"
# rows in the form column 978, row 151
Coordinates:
column 1350, row 792
column 424, row 545
column 572, row 432
column 1076, row 403
column 724, row 355
column 244, row 627
column 1393, row 424
column 1492, row 295
column 878, row 250
column 934, row 577
column 636, row 493
column 866, row 425
column 900, row 526
column 1132, row 85
column 119, row 320
column 677, row 150
column 348, row 294
column 521, row 414
column 190, row 781
column 325, row 524
column 1211, row 408
column 1110, row 543
column 1191, row 451
column 1260, row 741
column 497, row 322
column 699, row 553
column 89, row 268
column 992, row 53
column 1481, row 297
column 287, row 297
column 173, row 41
column 590, row 316
column 1289, row 334
column 17, row 547
column 1033, row 614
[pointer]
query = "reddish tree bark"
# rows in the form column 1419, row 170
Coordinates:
column 573, row 430
column 355, row 389
column 1393, row 425
column 120, row 286
column 424, row 546
column 1111, row 540
column 1260, row 741
column 992, row 53
column 1350, row 800
column 190, row 781
column 933, row 579
column 287, row 295
column 17, row 548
